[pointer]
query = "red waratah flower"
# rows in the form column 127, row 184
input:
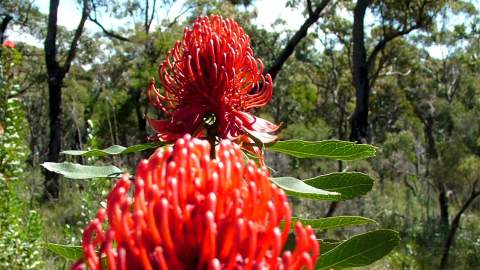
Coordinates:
column 192, row 212
column 213, row 75
column 8, row 44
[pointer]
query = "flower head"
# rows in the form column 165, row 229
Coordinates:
column 8, row 44
column 192, row 212
column 211, row 82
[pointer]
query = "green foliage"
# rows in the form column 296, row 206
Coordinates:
column 113, row 150
column 348, row 184
column 295, row 187
column 360, row 250
column 20, row 226
column 78, row 171
column 340, row 150
column 21, row 230
column 71, row 253
column 334, row 222
column 13, row 125
column 330, row 187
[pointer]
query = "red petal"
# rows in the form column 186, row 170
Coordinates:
column 185, row 120
column 258, row 124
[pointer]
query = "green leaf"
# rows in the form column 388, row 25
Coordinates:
column 295, row 187
column 348, row 184
column 68, row 252
column 334, row 222
column 360, row 250
column 113, row 150
column 77, row 171
column 327, row 244
column 331, row 187
column 334, row 149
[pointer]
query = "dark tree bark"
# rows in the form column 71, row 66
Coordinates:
column 3, row 27
column 56, row 75
column 443, row 203
column 455, row 225
column 360, row 72
column 332, row 208
column 313, row 17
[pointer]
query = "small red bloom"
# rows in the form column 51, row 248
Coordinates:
column 8, row 44
column 212, row 73
column 192, row 212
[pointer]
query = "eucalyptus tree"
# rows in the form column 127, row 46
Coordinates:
column 441, row 94
column 56, row 75
column 313, row 12
column 393, row 19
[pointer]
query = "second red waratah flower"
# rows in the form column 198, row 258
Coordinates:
column 192, row 212
column 211, row 82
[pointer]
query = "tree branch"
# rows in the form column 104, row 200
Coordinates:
column 180, row 14
column 297, row 37
column 153, row 13
column 109, row 33
column 384, row 41
column 419, row 23
column 455, row 225
column 309, row 8
column 78, row 33
column 145, row 24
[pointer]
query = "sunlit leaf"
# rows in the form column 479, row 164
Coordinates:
column 334, row 149
column 295, row 187
column 78, row 171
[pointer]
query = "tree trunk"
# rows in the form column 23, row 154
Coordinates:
column 432, row 154
column 55, row 80
column 54, row 146
column 3, row 27
column 359, row 120
column 334, row 205
column 56, row 75
column 142, row 122
column 443, row 203
column 454, row 228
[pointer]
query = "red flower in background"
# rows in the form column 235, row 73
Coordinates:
column 212, row 74
column 192, row 212
column 8, row 44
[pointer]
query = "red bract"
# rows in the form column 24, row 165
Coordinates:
column 192, row 212
column 213, row 75
column 8, row 44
